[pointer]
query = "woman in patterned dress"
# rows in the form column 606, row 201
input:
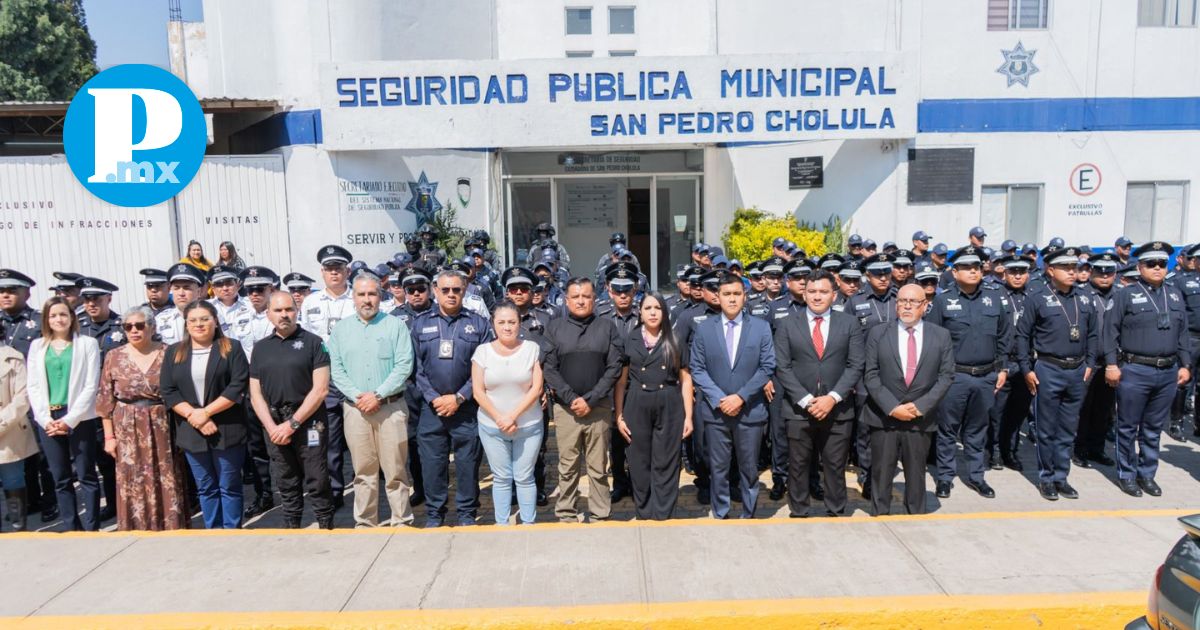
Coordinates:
column 137, row 431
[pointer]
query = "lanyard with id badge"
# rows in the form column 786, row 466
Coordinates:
column 446, row 346
column 1074, row 331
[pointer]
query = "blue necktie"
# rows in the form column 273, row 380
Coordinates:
column 729, row 328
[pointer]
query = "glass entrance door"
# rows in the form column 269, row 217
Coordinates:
column 677, row 226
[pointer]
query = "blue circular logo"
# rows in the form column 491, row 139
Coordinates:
column 135, row 135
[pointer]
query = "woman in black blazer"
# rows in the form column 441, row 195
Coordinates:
column 210, row 429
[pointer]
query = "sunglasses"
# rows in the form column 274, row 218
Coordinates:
column 417, row 288
column 1103, row 272
column 302, row 291
column 621, row 290
column 128, row 326
column 256, row 290
column 224, row 283
column 928, row 283
column 450, row 290
column 902, row 266
column 519, row 288
column 1155, row 264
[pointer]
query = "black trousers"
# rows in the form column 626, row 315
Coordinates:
column 777, row 437
column 996, row 413
column 911, row 448
column 617, row 460
column 1016, row 409
column 413, row 397
column 108, row 471
column 300, row 469
column 1095, row 417
column 257, row 468
column 72, row 457
column 655, row 420
column 827, row 440
column 335, row 457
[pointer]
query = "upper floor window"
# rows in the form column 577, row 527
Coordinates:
column 1167, row 12
column 620, row 20
column 579, row 21
column 1009, row 15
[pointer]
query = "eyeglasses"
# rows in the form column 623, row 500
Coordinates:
column 519, row 288
column 1155, row 264
column 416, row 288
column 910, row 303
column 450, row 290
column 128, row 326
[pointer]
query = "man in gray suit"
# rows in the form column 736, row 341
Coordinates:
column 733, row 357
column 819, row 358
column 909, row 369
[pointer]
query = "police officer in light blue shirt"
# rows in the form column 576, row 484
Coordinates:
column 976, row 316
column 445, row 338
column 1057, row 345
column 1146, row 357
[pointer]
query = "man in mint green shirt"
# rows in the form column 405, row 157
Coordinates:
column 371, row 359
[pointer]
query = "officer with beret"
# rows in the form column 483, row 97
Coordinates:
column 321, row 311
column 976, row 317
column 1096, row 416
column 1013, row 399
column 1057, row 346
column 300, row 287
column 873, row 306
column 158, row 295
column 1146, row 357
column 187, row 285
column 1187, row 280
column 445, row 338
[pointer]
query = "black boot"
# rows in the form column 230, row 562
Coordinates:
column 14, row 509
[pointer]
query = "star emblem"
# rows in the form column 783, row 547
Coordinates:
column 117, row 337
column 298, row 344
column 424, row 201
column 987, row 301
column 1018, row 65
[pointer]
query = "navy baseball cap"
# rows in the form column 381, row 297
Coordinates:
column 977, row 232
column 868, row 244
column 1008, row 246
column 778, row 242
column 940, row 249
column 920, row 235
column 854, row 240
column 1123, row 241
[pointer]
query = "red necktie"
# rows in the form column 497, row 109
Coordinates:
column 818, row 339
column 910, row 369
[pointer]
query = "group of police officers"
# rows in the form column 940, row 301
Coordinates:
column 1087, row 347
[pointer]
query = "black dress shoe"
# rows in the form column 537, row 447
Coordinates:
column 777, row 491
column 1048, row 491
column 1176, row 433
column 817, row 492
column 1130, row 487
column 943, row 489
column 50, row 513
column 325, row 523
column 291, row 523
column 703, row 496
column 866, row 491
column 618, row 493
column 982, row 488
column 1065, row 490
column 542, row 501
column 1149, row 486
column 1102, row 459
column 1013, row 463
column 261, row 503
column 994, row 462
column 1079, row 461
column 803, row 514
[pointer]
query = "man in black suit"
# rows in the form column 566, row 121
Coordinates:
column 819, row 358
column 909, row 369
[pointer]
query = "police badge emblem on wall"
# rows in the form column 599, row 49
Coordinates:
column 424, row 201
column 1018, row 65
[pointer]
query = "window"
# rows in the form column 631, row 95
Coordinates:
column 1007, row 15
column 1167, row 12
column 1012, row 210
column 1155, row 211
column 578, row 53
column 620, row 20
column 622, row 53
column 579, row 21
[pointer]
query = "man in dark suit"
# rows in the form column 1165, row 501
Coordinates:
column 909, row 369
column 819, row 358
column 733, row 357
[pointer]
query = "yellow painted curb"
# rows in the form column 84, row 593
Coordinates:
column 999, row 612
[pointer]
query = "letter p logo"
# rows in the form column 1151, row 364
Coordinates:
column 135, row 135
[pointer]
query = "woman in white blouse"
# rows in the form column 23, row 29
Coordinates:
column 64, row 377
column 506, row 379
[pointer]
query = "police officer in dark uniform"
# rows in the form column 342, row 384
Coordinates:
column 415, row 282
column 430, row 255
column 621, row 308
column 854, row 246
column 99, row 322
column 1012, row 400
column 873, row 306
column 920, row 248
column 694, row 447
column 543, row 239
column 1096, row 416
column 849, row 279
column 158, row 295
column 1057, row 344
column 1187, row 280
column 445, row 339
column 902, row 267
column 65, row 288
column 977, row 319
column 1146, row 357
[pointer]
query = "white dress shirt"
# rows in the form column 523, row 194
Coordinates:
column 812, row 324
column 919, row 333
column 737, row 335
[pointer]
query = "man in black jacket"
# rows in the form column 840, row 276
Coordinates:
column 819, row 358
column 582, row 361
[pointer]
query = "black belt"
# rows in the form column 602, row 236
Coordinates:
column 975, row 370
column 1062, row 362
column 393, row 398
column 1155, row 362
column 654, row 388
column 140, row 402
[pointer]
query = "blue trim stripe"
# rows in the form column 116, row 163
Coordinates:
column 1058, row 114
column 280, row 130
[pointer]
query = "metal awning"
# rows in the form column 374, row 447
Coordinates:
column 17, row 109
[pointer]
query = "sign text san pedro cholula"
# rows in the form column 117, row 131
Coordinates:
column 625, row 100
